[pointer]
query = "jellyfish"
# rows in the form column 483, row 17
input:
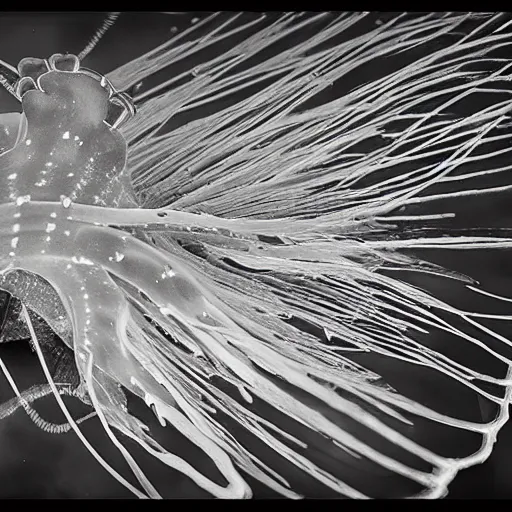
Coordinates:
column 251, row 275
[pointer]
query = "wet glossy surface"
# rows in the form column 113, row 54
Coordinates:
column 95, row 241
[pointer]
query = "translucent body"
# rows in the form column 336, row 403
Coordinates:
column 65, row 121
column 65, row 130
column 294, row 235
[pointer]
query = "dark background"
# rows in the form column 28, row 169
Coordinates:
column 34, row 464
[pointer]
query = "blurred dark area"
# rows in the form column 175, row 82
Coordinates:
column 35, row 464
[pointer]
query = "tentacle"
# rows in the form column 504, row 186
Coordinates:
column 187, row 306
column 68, row 416
column 97, row 334
column 233, row 341
column 100, row 333
column 25, row 398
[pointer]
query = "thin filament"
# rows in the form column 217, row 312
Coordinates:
column 66, row 412
column 107, row 23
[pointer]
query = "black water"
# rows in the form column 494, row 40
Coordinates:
column 35, row 464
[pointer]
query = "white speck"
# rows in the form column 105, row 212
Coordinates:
column 22, row 199
column 67, row 233
column 48, row 164
column 70, row 175
column 86, row 296
column 77, row 137
column 15, row 228
column 28, row 142
column 53, row 215
column 43, row 172
column 168, row 272
column 17, row 215
column 48, row 238
column 81, row 142
column 12, row 176
column 87, row 310
column 82, row 260
column 14, row 242
column 66, row 201
column 68, row 266
column 88, row 322
column 91, row 159
column 43, row 251
column 65, row 135
column 40, row 183
column 50, row 227
column 12, row 254
column 119, row 257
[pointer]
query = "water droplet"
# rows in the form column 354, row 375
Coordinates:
column 22, row 199
column 66, row 201
column 168, row 271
